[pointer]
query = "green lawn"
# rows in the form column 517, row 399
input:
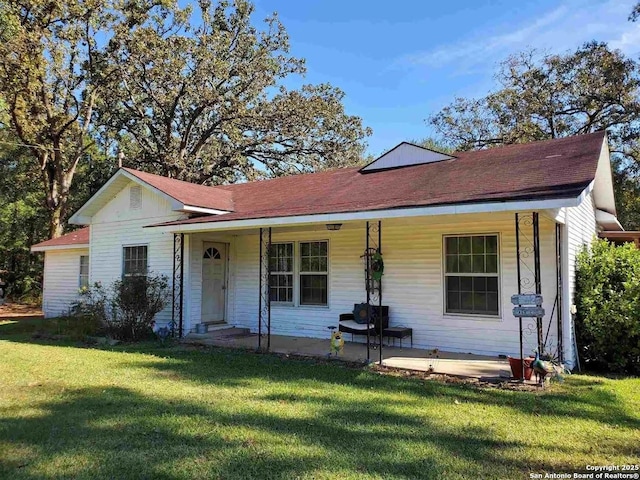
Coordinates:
column 158, row 412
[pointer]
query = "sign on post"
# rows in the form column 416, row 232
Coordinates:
column 526, row 299
column 528, row 312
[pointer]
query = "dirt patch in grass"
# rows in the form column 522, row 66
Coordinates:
column 503, row 384
column 16, row 310
column 494, row 383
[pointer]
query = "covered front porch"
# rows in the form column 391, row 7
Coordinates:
column 466, row 365
column 264, row 286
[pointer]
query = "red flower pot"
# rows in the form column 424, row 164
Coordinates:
column 516, row 368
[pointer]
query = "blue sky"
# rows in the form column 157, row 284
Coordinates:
column 398, row 61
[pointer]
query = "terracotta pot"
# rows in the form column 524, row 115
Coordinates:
column 516, row 368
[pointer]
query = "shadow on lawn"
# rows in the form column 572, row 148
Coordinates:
column 583, row 399
column 586, row 398
column 116, row 433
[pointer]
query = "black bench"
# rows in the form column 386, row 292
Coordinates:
column 379, row 320
column 398, row 332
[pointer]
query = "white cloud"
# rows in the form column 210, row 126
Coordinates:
column 629, row 41
column 563, row 28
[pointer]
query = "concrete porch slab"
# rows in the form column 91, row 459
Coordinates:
column 447, row 363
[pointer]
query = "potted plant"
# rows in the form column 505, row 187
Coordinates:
column 516, row 368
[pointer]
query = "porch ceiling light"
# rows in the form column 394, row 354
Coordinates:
column 334, row 226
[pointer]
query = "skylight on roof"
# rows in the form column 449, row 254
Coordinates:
column 405, row 155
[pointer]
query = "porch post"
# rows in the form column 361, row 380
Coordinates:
column 559, row 282
column 529, row 272
column 177, row 303
column 374, row 287
column 264, row 297
column 519, row 291
column 380, row 290
column 368, row 286
column 538, row 280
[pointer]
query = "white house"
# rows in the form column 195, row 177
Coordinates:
column 453, row 256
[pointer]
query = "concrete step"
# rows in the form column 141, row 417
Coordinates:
column 215, row 326
column 211, row 326
column 226, row 331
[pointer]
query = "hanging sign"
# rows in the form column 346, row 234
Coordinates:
column 528, row 312
column 528, row 299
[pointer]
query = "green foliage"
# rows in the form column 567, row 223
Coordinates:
column 24, row 215
column 73, row 327
column 204, row 100
column 433, row 144
column 128, row 307
column 52, row 72
column 635, row 13
column 23, row 220
column 94, row 303
column 608, row 307
column 136, row 302
column 550, row 96
column 197, row 96
column 66, row 328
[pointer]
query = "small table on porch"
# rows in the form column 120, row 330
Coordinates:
column 398, row 332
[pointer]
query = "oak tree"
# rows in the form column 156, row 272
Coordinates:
column 200, row 95
column 52, row 73
column 550, row 96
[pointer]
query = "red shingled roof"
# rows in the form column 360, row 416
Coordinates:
column 188, row 193
column 77, row 237
column 558, row 168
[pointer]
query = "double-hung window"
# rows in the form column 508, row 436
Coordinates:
column 471, row 275
column 314, row 273
column 299, row 267
column 281, row 269
column 134, row 260
column 83, row 280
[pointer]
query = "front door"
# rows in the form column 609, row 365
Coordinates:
column 214, row 271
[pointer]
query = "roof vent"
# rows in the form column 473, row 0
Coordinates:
column 135, row 197
column 405, row 155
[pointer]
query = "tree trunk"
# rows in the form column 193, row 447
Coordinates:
column 55, row 222
column 56, row 183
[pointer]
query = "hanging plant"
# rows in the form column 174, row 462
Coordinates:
column 377, row 266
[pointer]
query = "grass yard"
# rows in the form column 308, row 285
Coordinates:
column 157, row 412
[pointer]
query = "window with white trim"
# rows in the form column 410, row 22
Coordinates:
column 134, row 260
column 471, row 267
column 314, row 273
column 281, row 272
column 83, row 280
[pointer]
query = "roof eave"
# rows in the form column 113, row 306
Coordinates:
column 450, row 209
column 603, row 193
column 83, row 215
column 72, row 246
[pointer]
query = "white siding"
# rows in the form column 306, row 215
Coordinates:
column 581, row 229
column 61, row 280
column 406, row 154
column 412, row 283
column 117, row 225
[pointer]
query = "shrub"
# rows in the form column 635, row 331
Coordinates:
column 128, row 308
column 94, row 303
column 608, row 307
column 136, row 302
